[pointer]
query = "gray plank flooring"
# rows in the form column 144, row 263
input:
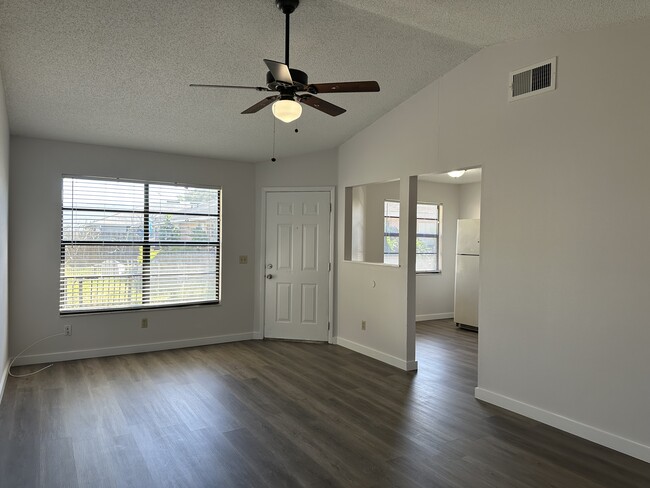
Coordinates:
column 281, row 414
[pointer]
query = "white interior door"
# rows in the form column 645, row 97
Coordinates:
column 297, row 265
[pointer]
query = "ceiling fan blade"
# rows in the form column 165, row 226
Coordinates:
column 320, row 104
column 261, row 104
column 280, row 71
column 258, row 88
column 345, row 87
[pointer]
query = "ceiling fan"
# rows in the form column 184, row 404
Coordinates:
column 293, row 85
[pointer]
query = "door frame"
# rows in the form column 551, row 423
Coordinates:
column 262, row 264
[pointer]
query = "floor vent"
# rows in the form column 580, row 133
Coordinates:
column 532, row 80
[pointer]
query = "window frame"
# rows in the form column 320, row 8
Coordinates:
column 436, row 236
column 146, row 243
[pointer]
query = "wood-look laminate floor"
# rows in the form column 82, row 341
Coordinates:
column 274, row 414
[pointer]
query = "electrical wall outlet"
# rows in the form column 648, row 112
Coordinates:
column 363, row 325
column 67, row 329
column 144, row 323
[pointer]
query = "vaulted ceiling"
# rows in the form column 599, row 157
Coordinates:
column 117, row 72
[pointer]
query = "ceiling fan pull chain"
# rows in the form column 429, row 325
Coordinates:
column 273, row 160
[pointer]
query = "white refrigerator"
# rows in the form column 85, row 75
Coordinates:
column 467, row 259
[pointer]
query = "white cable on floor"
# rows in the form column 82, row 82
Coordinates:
column 29, row 347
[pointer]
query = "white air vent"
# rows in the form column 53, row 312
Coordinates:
column 532, row 80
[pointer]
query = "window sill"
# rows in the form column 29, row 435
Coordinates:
column 384, row 265
column 103, row 311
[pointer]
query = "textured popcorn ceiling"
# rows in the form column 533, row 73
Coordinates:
column 486, row 22
column 117, row 72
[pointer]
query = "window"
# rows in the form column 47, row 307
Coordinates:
column 427, row 257
column 130, row 245
column 391, row 232
column 427, row 238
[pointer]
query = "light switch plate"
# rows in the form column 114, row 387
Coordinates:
column 243, row 259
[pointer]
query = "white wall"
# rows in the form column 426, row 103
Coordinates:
column 376, row 194
column 34, row 246
column 311, row 170
column 470, row 201
column 316, row 169
column 358, row 223
column 564, row 288
column 4, row 196
column 396, row 146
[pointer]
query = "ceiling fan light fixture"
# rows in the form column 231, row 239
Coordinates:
column 457, row 173
column 286, row 110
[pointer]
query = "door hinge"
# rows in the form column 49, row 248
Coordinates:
column 330, row 208
column 328, row 326
column 329, row 267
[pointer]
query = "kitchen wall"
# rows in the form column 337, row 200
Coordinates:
column 470, row 201
column 34, row 245
column 564, row 291
column 4, row 197
column 435, row 291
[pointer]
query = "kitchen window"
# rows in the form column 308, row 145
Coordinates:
column 427, row 244
column 134, row 244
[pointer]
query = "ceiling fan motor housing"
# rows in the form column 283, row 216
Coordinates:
column 300, row 80
column 287, row 6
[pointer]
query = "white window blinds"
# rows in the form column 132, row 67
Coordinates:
column 128, row 244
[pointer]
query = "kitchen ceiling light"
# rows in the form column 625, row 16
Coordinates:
column 286, row 110
column 455, row 174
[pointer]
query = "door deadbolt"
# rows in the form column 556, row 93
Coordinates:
column 269, row 266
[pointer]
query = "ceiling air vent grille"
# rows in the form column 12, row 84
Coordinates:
column 532, row 80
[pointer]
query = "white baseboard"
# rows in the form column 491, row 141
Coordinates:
column 258, row 335
column 593, row 434
column 434, row 316
column 3, row 380
column 411, row 365
column 375, row 354
column 135, row 348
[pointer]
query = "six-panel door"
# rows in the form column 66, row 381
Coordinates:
column 297, row 265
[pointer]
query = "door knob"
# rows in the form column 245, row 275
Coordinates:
column 269, row 266
column 269, row 276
